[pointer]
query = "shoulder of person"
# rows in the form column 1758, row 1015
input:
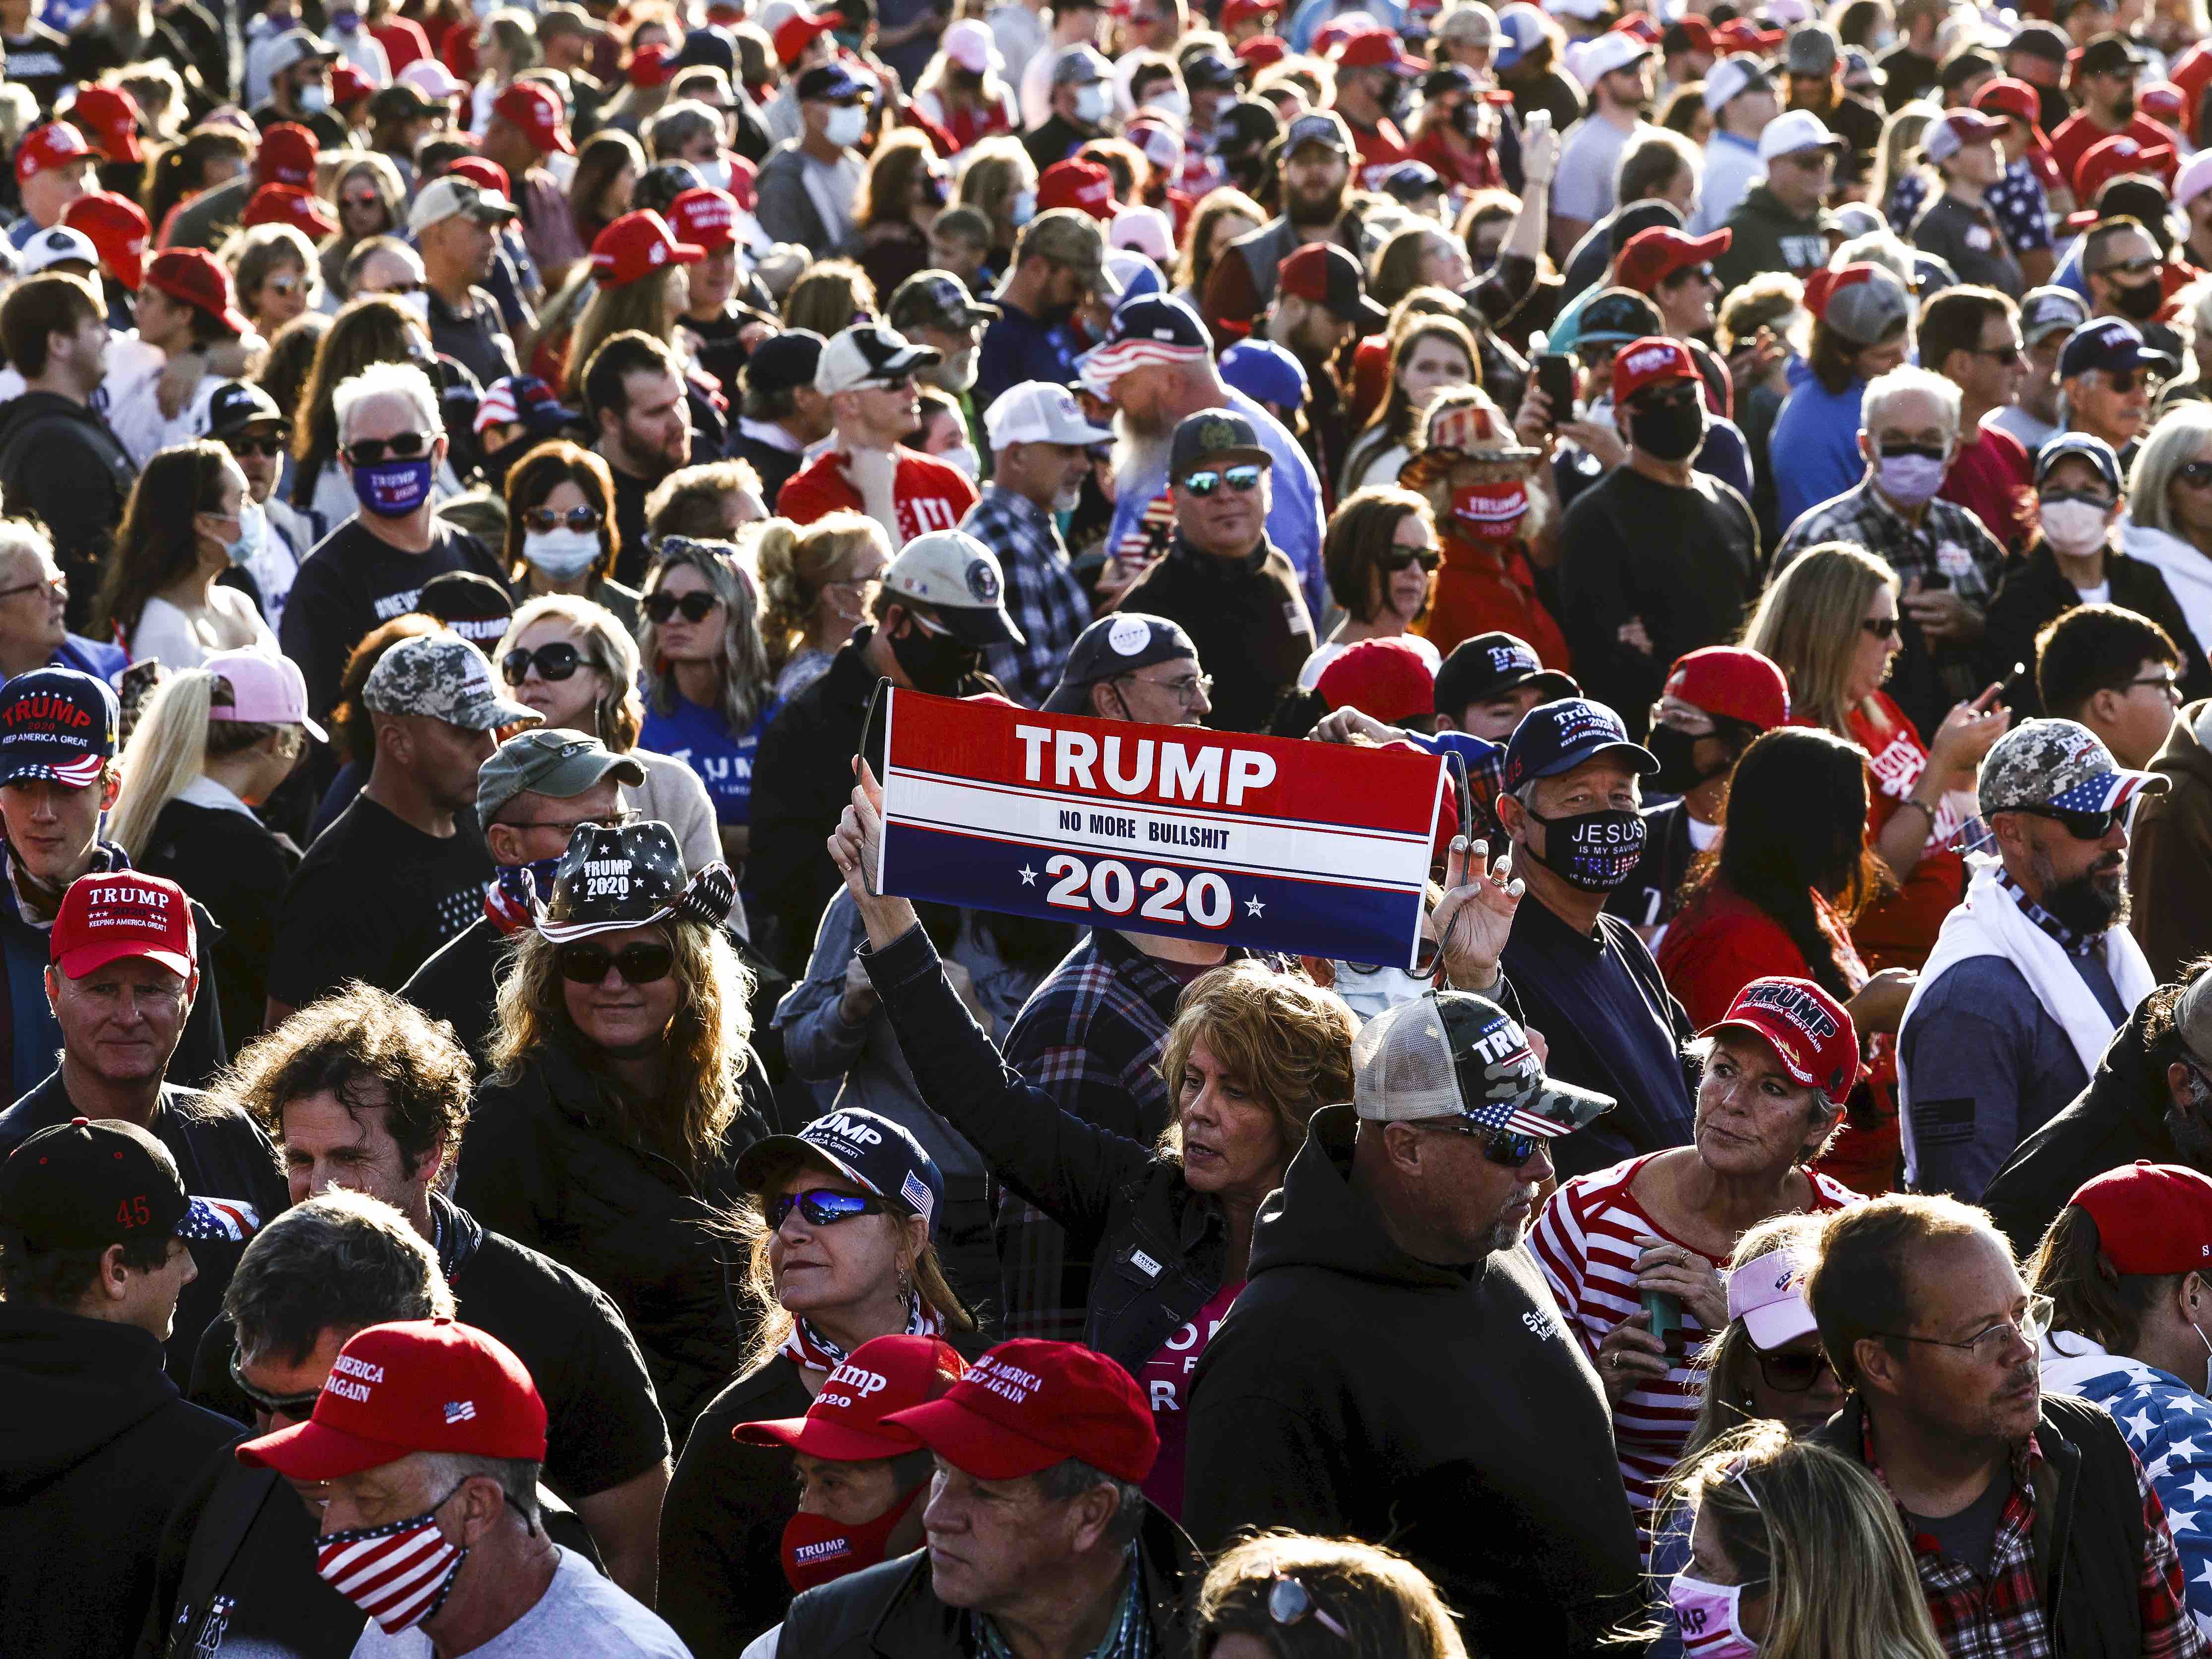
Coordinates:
column 1990, row 990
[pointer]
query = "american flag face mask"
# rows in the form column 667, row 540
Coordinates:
column 398, row 1574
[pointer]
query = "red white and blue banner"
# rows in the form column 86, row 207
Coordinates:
column 1311, row 848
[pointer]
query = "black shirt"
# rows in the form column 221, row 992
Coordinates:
column 1055, row 140
column 372, row 900
column 459, row 981
column 633, row 556
column 476, row 339
column 35, row 60
column 1247, row 617
column 231, row 863
column 1652, row 892
column 352, row 584
column 1907, row 75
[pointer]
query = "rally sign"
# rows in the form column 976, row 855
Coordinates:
column 1312, row 849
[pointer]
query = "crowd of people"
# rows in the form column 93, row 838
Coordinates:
column 496, row 1168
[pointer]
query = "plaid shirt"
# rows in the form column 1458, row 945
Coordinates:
column 2000, row 1616
column 1042, row 596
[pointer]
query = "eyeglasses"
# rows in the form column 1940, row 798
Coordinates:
column 2197, row 475
column 696, row 605
column 2169, row 687
column 543, row 519
column 244, row 448
column 552, row 662
column 1883, row 628
column 55, row 587
column 645, row 963
column 288, row 282
column 1242, row 479
column 404, row 446
column 1186, row 689
column 2083, row 826
column 823, row 1206
column 298, row 1406
column 2141, row 267
column 1398, row 558
column 1985, row 1346
column 1792, row 1373
column 1290, row 1602
column 1504, row 1147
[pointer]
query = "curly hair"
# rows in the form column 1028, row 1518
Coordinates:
column 1288, row 1042
column 796, row 564
column 339, row 1261
column 538, row 475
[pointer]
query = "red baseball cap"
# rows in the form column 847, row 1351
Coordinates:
column 2118, row 156
column 1810, row 1032
column 119, row 227
column 2190, row 72
column 1262, row 49
column 1077, row 184
column 485, row 174
column 287, row 156
column 1341, row 27
column 793, row 34
column 123, row 913
column 1654, row 255
column 1649, row 361
column 744, row 182
column 418, row 1385
column 649, row 66
column 2151, row 1217
column 1642, row 24
column 637, row 244
column 1696, row 34
column 1245, row 11
column 1386, row 679
column 1027, row 1405
column 288, row 204
column 193, row 277
column 845, row 1424
column 57, row 144
column 1376, row 49
column 1733, row 682
column 2162, row 101
column 706, row 217
column 536, row 113
column 349, row 85
column 1742, row 34
column 111, row 115
column 2005, row 96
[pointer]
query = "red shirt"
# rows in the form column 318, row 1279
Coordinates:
column 1993, row 478
column 1165, row 1379
column 1472, row 167
column 402, row 40
column 1900, row 929
column 1379, row 148
column 930, row 494
column 2077, row 133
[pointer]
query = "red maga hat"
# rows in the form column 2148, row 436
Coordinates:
column 349, row 85
column 2118, row 156
column 536, row 113
column 1027, row 1405
column 1376, row 49
column 286, row 156
column 288, row 204
column 123, row 913
column 706, row 217
column 1386, row 679
column 193, row 277
column 484, row 173
column 2151, row 1217
column 111, row 115
column 1652, row 361
column 1234, row 12
column 57, row 144
column 637, row 244
column 1734, row 682
column 1077, row 184
column 1654, row 255
column 1262, row 49
column 649, row 66
column 800, row 29
column 1810, row 1032
column 119, row 227
column 2017, row 99
column 846, row 1423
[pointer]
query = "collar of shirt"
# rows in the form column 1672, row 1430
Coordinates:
column 1737, row 139
column 1129, row 1637
column 1021, row 507
column 769, row 433
column 204, row 791
column 2074, row 943
column 1214, row 566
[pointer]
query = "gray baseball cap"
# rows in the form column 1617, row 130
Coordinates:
column 958, row 578
column 1119, row 644
column 442, row 677
column 2056, row 766
column 549, row 761
column 1812, row 51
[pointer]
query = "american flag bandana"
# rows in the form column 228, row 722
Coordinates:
column 219, row 1218
column 1145, row 543
column 807, row 1346
column 398, row 1575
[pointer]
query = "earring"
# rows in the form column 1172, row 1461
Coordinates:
column 906, row 1286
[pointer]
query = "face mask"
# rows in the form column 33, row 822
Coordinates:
column 399, row 1574
column 562, row 553
column 419, row 303
column 1678, row 774
column 816, row 1550
column 314, row 98
column 252, row 525
column 1489, row 512
column 935, row 662
column 1706, row 1614
column 1467, row 120
column 1669, row 432
column 2072, row 527
column 2140, row 301
column 1025, row 207
column 847, row 122
column 1173, row 101
column 2126, row 109
column 716, row 172
column 1091, row 104
column 964, row 457
column 345, row 22
column 392, row 489
column 1911, row 477
column 1594, row 851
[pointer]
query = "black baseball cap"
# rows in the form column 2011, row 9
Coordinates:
column 85, row 1185
column 2110, row 54
column 936, row 299
column 1617, row 316
column 784, row 361
column 58, row 725
column 1207, row 69
column 861, row 1145
column 476, row 607
column 1409, row 181
column 1640, row 216
column 629, row 875
column 1119, row 644
column 1220, row 436
column 1247, row 122
column 237, row 405
column 1490, row 665
column 1558, row 736
column 2042, row 40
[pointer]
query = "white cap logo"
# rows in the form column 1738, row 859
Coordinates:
column 1127, row 636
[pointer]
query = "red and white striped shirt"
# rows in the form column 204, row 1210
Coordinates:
column 1585, row 1242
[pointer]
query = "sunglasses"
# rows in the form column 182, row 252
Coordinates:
column 368, row 201
column 2083, row 826
column 1883, row 628
column 552, row 662
column 1290, row 1602
column 242, row 447
column 696, row 605
column 406, row 447
column 286, row 283
column 297, row 1406
column 2197, row 475
column 2007, row 355
column 1242, row 479
column 644, row 963
column 824, row 1208
column 1504, row 1147
column 2123, row 380
column 1398, row 558
column 1792, row 1373
column 1894, row 450
column 543, row 519
column 2132, row 267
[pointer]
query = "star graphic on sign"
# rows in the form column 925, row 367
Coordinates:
column 1028, row 876
column 1254, row 906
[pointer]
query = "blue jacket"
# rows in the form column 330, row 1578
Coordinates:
column 1819, row 431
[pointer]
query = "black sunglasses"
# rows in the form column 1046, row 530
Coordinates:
column 271, row 447
column 822, row 1206
column 1792, row 1373
column 2123, row 380
column 553, row 662
column 2083, row 826
column 641, row 963
column 298, row 1406
column 1503, row 1148
column 2197, row 475
column 543, row 519
column 1398, row 558
column 696, row 605
column 406, row 446
column 2006, row 354
column 1883, row 628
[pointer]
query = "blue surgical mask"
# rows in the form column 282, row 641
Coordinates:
column 393, row 488
column 252, row 528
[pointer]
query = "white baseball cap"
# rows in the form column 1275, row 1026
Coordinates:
column 1794, row 130
column 969, row 44
column 1732, row 75
column 1039, row 412
column 959, row 578
column 1616, row 49
column 432, row 79
column 48, row 248
column 2194, row 178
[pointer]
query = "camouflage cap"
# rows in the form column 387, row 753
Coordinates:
column 443, row 678
column 2056, row 766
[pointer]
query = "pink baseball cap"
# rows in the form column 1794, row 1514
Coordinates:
column 1767, row 1293
column 265, row 690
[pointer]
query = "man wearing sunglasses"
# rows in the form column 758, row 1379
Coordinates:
column 1971, row 337
column 2034, row 971
column 1402, row 1220
column 2108, row 375
column 245, row 420
column 2048, row 318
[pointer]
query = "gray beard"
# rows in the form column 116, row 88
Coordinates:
column 1136, row 452
column 956, row 373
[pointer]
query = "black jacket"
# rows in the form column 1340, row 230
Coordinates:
column 802, row 780
column 891, row 1612
column 2117, row 1119
column 544, row 1162
column 1354, row 1390
column 460, row 983
column 2088, row 1520
column 1159, row 1250
column 230, row 862
column 2034, row 593
column 1247, row 617
column 61, row 463
column 95, row 1448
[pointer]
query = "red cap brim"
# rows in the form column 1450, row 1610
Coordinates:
column 834, row 1442
column 76, row 963
column 316, row 1452
column 975, row 1444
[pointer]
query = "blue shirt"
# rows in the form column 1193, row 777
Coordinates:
column 103, row 662
column 1819, row 431
column 1312, row 14
column 698, row 736
column 1018, row 347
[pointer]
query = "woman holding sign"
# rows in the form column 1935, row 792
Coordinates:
column 1168, row 1227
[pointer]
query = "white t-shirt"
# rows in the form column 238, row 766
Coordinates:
column 1310, row 676
column 1583, row 188
column 180, row 641
column 2031, row 431
column 580, row 1612
column 134, row 411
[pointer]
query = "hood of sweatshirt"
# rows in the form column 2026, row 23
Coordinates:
column 72, row 1385
column 1318, row 1218
column 2188, row 750
column 1761, row 202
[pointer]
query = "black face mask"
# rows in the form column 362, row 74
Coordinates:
column 935, row 662
column 1467, row 120
column 1678, row 773
column 1673, row 431
column 2126, row 109
column 2140, row 301
column 1594, row 851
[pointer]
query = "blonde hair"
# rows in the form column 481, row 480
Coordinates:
column 796, row 564
column 1898, row 151
column 1806, row 624
column 643, row 306
column 1385, row 1603
column 1724, row 1367
column 747, row 682
column 1288, row 1042
column 170, row 746
column 618, row 715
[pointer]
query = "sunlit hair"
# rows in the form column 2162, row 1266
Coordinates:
column 704, row 1047
column 1897, row 152
column 2181, row 435
column 1774, row 298
column 796, row 563
column 1397, row 268
column 1365, row 527
column 171, row 744
column 372, row 329
column 901, row 161
column 1385, row 1603
column 158, row 542
column 254, row 255
column 648, row 306
column 1287, row 1042
column 1823, row 1539
column 619, row 713
column 1398, row 419
column 538, row 475
column 1197, row 262
column 829, row 298
column 993, row 173
column 746, row 681
column 1725, row 1365
column 1801, row 626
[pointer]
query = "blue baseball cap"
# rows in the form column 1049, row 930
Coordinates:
column 2111, row 344
column 2088, row 447
column 863, row 1146
column 57, row 724
column 1558, row 736
column 1265, row 373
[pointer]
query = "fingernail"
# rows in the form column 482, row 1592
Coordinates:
column 1517, row 886
column 1480, row 848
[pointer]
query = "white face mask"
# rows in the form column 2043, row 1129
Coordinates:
column 314, row 98
column 2072, row 528
column 1091, row 103
column 562, row 167
column 561, row 554
column 1025, row 207
column 1171, row 100
column 847, row 123
column 419, row 303
column 964, row 457
column 253, row 527
column 716, row 172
